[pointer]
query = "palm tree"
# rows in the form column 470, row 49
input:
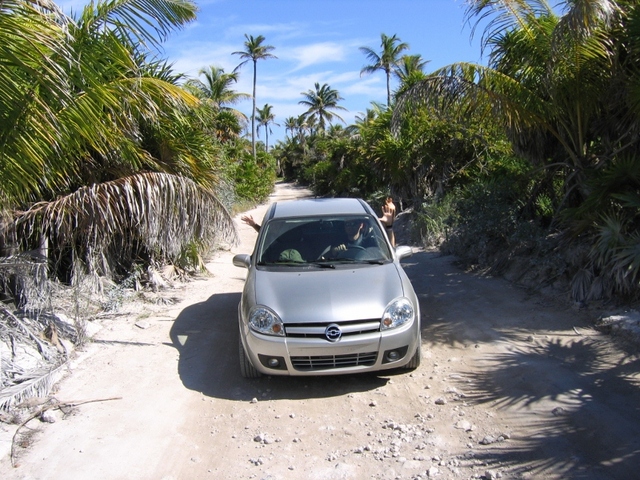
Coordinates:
column 549, row 80
column 386, row 60
column 254, row 51
column 99, row 155
column 291, row 125
column 369, row 117
column 410, row 66
column 82, row 105
column 266, row 118
column 320, row 102
column 216, row 89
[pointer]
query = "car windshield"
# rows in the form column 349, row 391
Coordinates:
column 322, row 241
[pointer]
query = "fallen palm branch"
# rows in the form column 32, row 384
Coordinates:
column 22, row 339
column 55, row 405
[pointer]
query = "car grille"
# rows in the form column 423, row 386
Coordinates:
column 317, row 330
column 326, row 362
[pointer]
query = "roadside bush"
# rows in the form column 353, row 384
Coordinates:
column 434, row 219
column 320, row 176
column 485, row 221
column 254, row 180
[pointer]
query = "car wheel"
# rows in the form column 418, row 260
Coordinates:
column 247, row 370
column 415, row 360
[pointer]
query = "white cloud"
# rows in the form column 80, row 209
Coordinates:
column 371, row 87
column 280, row 29
column 316, row 53
column 191, row 57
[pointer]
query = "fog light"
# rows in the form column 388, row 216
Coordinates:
column 274, row 363
column 393, row 355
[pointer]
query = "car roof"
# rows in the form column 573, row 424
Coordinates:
column 318, row 206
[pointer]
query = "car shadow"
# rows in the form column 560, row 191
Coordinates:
column 206, row 337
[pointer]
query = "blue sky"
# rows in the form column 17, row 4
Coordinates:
column 317, row 41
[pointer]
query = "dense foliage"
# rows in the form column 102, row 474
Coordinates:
column 539, row 143
column 536, row 151
column 112, row 167
column 108, row 158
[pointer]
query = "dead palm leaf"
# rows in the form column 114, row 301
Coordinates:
column 162, row 213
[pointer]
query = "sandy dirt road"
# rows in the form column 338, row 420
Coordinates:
column 511, row 385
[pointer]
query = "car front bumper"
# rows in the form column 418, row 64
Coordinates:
column 368, row 352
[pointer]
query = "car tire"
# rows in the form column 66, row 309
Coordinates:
column 415, row 360
column 247, row 370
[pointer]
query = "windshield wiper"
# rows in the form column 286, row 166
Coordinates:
column 323, row 264
column 359, row 260
column 290, row 263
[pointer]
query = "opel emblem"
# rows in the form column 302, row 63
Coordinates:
column 333, row 332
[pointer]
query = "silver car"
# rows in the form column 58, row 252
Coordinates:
column 325, row 294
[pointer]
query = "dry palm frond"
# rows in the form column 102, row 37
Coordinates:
column 35, row 383
column 26, row 338
column 162, row 212
column 600, row 288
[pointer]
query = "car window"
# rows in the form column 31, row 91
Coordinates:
column 307, row 240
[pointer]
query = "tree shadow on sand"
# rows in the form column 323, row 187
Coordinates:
column 592, row 432
column 206, row 337
column 573, row 401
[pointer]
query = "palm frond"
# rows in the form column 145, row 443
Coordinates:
column 138, row 21
column 581, row 285
column 498, row 16
column 625, row 263
column 162, row 212
column 34, row 50
column 583, row 16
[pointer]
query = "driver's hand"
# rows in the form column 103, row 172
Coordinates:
column 339, row 248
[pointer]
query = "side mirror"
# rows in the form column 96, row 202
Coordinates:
column 403, row 252
column 242, row 260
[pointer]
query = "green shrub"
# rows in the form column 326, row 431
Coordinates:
column 434, row 219
column 486, row 219
column 254, row 181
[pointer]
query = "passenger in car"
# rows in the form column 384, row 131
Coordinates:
column 248, row 219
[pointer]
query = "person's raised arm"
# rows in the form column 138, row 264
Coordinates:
column 248, row 219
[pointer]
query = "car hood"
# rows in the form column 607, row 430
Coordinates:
column 327, row 295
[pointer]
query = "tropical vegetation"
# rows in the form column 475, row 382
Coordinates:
column 534, row 153
column 113, row 166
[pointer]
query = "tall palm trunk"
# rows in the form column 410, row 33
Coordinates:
column 253, row 112
column 388, row 73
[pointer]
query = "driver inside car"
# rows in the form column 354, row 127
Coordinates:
column 355, row 238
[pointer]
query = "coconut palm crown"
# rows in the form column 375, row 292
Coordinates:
column 387, row 60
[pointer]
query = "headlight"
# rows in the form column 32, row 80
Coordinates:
column 263, row 320
column 397, row 313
